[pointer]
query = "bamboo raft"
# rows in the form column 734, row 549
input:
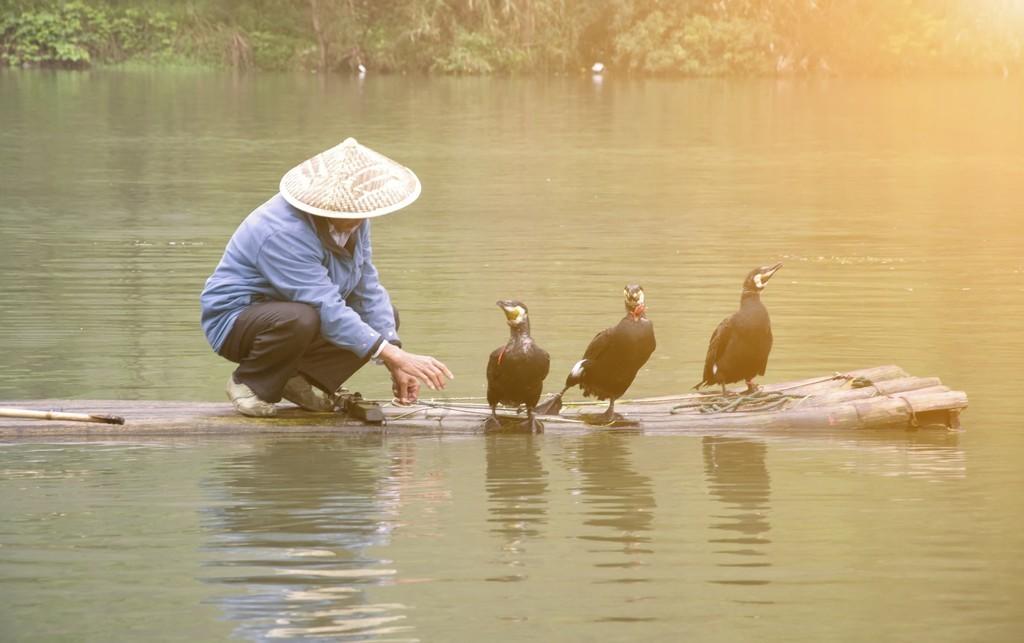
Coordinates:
column 883, row 397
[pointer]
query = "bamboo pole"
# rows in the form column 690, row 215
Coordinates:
column 60, row 416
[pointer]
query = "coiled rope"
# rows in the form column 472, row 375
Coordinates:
column 759, row 401
column 730, row 403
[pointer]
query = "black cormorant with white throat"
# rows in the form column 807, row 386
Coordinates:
column 612, row 358
column 740, row 345
column 516, row 371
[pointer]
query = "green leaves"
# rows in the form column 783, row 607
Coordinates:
column 74, row 34
column 667, row 37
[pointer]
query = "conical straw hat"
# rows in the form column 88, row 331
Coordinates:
column 350, row 181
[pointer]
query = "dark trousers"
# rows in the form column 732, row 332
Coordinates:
column 272, row 341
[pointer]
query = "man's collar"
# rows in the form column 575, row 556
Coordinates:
column 322, row 225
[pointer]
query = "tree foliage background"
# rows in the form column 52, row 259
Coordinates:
column 672, row 37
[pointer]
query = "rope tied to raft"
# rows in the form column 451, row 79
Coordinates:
column 856, row 381
column 422, row 406
column 912, row 418
column 753, row 401
column 759, row 400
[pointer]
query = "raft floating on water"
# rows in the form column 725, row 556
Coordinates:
column 882, row 397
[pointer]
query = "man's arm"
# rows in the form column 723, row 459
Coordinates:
column 369, row 298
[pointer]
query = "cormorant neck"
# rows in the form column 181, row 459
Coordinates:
column 520, row 331
column 637, row 313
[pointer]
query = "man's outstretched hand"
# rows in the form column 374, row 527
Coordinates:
column 409, row 369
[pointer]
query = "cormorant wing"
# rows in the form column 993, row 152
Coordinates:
column 547, row 363
column 716, row 347
column 492, row 365
column 599, row 344
column 763, row 366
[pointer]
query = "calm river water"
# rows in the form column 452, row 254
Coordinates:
column 897, row 207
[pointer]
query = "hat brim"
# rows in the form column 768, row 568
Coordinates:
column 334, row 214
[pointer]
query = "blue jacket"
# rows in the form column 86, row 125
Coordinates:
column 278, row 254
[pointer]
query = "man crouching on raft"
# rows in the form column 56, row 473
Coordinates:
column 296, row 301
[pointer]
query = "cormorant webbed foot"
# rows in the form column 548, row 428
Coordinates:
column 492, row 423
column 608, row 418
column 513, row 424
column 723, row 393
column 553, row 406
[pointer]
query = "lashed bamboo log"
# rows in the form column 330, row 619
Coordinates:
column 889, row 387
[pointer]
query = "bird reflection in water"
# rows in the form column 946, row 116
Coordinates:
column 291, row 524
column 516, row 489
column 619, row 502
column 738, row 478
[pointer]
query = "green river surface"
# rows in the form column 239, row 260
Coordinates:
column 897, row 207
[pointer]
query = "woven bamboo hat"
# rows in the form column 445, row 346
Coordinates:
column 350, row 181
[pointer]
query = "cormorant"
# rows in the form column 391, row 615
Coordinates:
column 612, row 358
column 516, row 371
column 740, row 345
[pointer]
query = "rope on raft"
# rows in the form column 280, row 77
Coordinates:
column 709, row 404
column 753, row 401
column 760, row 400
column 422, row 406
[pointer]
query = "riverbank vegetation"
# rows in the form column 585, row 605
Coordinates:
column 664, row 37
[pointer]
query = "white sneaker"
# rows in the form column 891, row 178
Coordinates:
column 247, row 402
column 309, row 397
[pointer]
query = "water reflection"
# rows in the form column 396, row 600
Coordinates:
column 738, row 478
column 931, row 455
column 516, row 488
column 292, row 524
column 619, row 500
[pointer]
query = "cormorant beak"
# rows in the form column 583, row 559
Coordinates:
column 514, row 313
column 634, row 297
column 765, row 274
